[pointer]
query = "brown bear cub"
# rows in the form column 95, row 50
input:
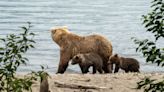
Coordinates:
column 127, row 64
column 87, row 60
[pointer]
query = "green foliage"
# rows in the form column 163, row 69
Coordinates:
column 150, row 51
column 154, row 22
column 20, row 84
column 151, row 85
column 41, row 74
column 11, row 57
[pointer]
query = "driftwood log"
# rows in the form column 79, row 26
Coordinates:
column 76, row 86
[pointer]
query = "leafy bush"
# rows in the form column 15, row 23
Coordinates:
column 41, row 75
column 154, row 22
column 150, row 51
column 151, row 85
column 11, row 57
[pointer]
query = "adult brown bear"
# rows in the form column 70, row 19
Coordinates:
column 72, row 44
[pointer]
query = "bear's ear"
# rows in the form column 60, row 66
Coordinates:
column 65, row 27
column 53, row 30
column 116, row 55
column 77, row 57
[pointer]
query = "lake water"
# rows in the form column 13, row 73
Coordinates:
column 118, row 20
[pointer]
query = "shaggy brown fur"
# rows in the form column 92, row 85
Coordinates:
column 72, row 44
column 87, row 60
column 127, row 64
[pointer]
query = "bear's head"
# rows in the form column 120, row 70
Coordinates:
column 77, row 59
column 58, row 33
column 114, row 59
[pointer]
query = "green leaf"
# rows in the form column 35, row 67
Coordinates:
column 25, row 59
column 23, row 62
column 151, row 43
column 1, row 48
column 149, row 24
column 1, row 39
column 31, row 46
column 31, row 41
column 19, row 56
column 24, row 28
column 32, row 34
column 42, row 67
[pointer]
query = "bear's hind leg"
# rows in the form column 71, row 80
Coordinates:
column 116, row 68
column 84, row 69
column 107, row 68
column 100, row 70
column 136, row 70
column 94, row 69
column 126, row 71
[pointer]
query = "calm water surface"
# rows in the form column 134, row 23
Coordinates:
column 118, row 20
